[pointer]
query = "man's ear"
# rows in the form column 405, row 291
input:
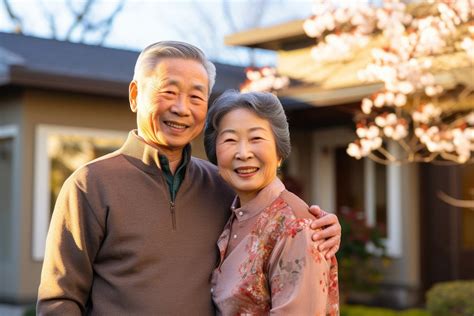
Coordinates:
column 132, row 95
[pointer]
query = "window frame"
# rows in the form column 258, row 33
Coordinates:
column 42, row 172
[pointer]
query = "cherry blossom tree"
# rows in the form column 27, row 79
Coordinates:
column 408, row 109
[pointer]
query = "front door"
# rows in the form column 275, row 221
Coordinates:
column 447, row 231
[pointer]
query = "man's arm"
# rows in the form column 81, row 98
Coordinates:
column 73, row 240
column 328, row 231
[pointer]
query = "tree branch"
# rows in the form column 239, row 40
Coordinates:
column 14, row 17
column 79, row 17
column 455, row 202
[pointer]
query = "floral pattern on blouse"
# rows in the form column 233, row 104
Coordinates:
column 275, row 269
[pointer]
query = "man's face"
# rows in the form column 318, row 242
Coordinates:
column 171, row 103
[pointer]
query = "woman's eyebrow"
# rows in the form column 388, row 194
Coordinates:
column 252, row 129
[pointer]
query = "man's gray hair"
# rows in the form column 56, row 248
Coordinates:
column 264, row 104
column 152, row 54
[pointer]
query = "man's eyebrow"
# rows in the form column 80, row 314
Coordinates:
column 173, row 82
column 167, row 82
column 200, row 88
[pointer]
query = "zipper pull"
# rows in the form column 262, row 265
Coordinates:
column 173, row 215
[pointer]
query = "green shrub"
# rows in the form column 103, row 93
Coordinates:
column 31, row 311
column 451, row 298
column 355, row 310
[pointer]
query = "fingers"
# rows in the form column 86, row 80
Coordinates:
column 328, row 232
column 332, row 250
column 316, row 211
column 327, row 220
column 329, row 246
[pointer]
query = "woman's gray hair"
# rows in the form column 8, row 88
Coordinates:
column 264, row 104
column 152, row 54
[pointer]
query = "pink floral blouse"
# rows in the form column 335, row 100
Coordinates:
column 268, row 262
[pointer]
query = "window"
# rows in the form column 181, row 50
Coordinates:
column 361, row 185
column 59, row 151
column 7, row 185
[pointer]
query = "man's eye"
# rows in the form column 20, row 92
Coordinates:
column 168, row 92
column 197, row 97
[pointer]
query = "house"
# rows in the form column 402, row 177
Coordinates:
column 61, row 104
column 427, row 240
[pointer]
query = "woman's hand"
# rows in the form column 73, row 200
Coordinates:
column 328, row 231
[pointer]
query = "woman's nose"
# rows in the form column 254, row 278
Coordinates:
column 243, row 151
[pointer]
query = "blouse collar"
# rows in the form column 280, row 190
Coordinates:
column 264, row 198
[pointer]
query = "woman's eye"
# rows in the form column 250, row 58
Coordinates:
column 257, row 138
column 229, row 140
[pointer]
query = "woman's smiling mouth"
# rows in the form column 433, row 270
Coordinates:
column 246, row 171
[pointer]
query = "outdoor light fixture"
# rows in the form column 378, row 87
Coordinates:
column 412, row 109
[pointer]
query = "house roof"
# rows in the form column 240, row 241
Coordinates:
column 285, row 36
column 53, row 64
column 322, row 83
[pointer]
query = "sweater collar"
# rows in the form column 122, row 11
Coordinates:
column 144, row 156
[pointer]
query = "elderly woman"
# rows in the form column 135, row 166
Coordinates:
column 268, row 264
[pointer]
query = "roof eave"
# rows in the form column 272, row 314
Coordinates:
column 286, row 36
column 39, row 79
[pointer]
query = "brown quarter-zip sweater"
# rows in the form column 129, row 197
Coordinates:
column 112, row 248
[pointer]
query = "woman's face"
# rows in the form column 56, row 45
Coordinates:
column 246, row 152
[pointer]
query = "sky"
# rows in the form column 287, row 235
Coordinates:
column 141, row 22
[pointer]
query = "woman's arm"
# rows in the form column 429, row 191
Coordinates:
column 302, row 281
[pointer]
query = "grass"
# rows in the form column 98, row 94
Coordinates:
column 359, row 310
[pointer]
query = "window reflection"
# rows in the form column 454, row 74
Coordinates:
column 66, row 153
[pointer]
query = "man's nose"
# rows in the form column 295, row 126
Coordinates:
column 181, row 106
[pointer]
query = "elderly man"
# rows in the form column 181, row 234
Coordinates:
column 134, row 232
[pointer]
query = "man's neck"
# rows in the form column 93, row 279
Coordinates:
column 174, row 155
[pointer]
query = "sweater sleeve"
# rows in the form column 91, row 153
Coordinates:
column 74, row 237
column 302, row 282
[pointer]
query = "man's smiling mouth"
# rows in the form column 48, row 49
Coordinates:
column 176, row 125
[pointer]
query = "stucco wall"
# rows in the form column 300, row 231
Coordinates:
column 402, row 276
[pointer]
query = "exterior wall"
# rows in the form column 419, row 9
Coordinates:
column 403, row 286
column 55, row 108
column 10, row 115
column 299, row 161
